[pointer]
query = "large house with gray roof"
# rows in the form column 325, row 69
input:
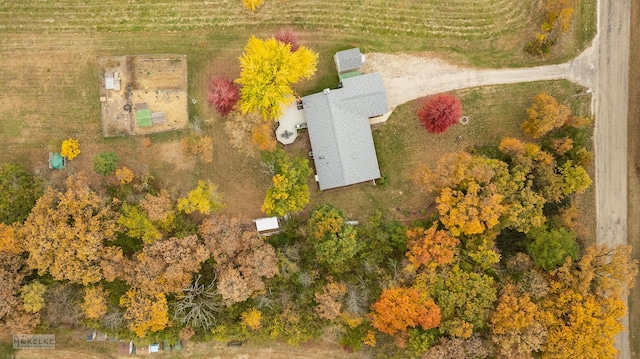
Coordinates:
column 338, row 124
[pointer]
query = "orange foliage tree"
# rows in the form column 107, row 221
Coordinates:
column 400, row 308
column 124, row 175
column 9, row 241
column 262, row 136
column 199, row 145
column 430, row 246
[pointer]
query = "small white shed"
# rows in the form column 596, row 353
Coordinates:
column 267, row 226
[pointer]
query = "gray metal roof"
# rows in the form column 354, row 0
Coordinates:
column 339, row 130
column 348, row 60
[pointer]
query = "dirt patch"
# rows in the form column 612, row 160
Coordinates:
column 131, row 85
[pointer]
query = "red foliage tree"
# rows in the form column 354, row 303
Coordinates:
column 223, row 95
column 439, row 112
column 287, row 36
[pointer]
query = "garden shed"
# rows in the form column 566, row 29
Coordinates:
column 267, row 226
column 348, row 60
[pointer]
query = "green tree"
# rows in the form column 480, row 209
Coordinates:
column 289, row 191
column 334, row 241
column 466, row 300
column 550, row 248
column 18, row 193
column 575, row 178
column 105, row 163
column 205, row 199
column 138, row 224
column 33, row 296
column 268, row 69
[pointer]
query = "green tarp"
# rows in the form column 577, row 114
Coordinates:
column 143, row 118
column 57, row 162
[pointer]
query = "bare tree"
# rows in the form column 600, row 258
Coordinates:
column 114, row 319
column 198, row 305
column 61, row 307
column 357, row 298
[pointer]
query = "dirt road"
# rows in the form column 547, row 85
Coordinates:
column 602, row 68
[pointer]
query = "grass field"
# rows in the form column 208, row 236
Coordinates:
column 480, row 32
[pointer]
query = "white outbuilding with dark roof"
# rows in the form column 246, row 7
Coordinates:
column 339, row 130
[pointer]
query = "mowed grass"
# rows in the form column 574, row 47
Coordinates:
column 402, row 146
column 479, row 32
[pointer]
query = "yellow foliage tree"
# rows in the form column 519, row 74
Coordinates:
column 145, row 312
column 469, row 199
column 252, row 4
column 205, row 199
column 289, row 191
column 515, row 326
column 268, row 69
column 545, row 114
column 9, row 242
column 70, row 148
column 94, row 305
column 124, row 175
column 472, row 212
column 251, row 319
column 33, row 296
column 584, row 306
column 66, row 232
